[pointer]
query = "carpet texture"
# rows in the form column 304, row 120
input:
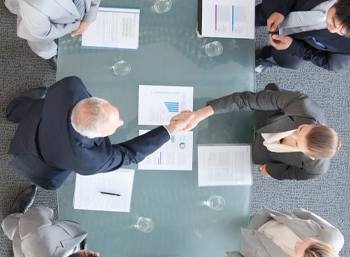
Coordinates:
column 327, row 196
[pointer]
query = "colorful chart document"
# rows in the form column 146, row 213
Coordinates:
column 158, row 104
column 224, row 165
column 176, row 154
column 228, row 18
column 86, row 196
column 116, row 28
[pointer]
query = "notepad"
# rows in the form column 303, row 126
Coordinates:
column 87, row 188
column 115, row 28
column 226, row 18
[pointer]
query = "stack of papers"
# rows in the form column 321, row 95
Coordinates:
column 87, row 188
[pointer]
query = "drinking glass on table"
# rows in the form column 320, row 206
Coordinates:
column 121, row 68
column 214, row 48
column 215, row 202
column 145, row 225
column 162, row 6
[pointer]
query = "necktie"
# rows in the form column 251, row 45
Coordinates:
column 305, row 18
column 80, row 5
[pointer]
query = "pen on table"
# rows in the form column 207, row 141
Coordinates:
column 105, row 193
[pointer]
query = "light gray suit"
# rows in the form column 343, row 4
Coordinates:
column 302, row 222
column 42, row 21
column 36, row 234
column 278, row 111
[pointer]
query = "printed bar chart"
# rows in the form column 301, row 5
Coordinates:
column 172, row 106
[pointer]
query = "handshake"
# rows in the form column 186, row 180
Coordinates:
column 188, row 120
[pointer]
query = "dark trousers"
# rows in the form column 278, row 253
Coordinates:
column 269, row 56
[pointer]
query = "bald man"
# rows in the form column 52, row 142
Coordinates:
column 65, row 129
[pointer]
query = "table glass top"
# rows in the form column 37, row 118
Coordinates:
column 169, row 54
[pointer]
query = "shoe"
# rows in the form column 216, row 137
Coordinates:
column 36, row 93
column 53, row 62
column 25, row 200
column 259, row 68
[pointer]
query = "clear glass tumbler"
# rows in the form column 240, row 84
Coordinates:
column 215, row 202
column 145, row 225
column 214, row 48
column 121, row 68
column 162, row 6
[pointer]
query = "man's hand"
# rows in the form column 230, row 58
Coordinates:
column 272, row 22
column 280, row 43
column 199, row 115
column 179, row 124
column 262, row 170
column 82, row 28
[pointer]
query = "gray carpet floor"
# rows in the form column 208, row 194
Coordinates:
column 327, row 196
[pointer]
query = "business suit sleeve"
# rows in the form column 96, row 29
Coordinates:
column 283, row 171
column 288, row 102
column 134, row 150
column 40, row 26
column 281, row 6
column 90, row 16
column 324, row 59
column 329, row 233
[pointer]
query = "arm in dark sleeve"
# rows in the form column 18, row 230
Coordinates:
column 324, row 59
column 283, row 171
column 265, row 100
column 281, row 6
column 135, row 150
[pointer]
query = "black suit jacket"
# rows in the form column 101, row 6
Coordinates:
column 335, row 57
column 278, row 111
column 47, row 148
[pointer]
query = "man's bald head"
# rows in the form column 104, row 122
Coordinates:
column 95, row 117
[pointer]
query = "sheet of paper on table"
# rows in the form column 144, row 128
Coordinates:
column 158, row 104
column 228, row 18
column 224, row 165
column 176, row 154
column 116, row 28
column 86, row 196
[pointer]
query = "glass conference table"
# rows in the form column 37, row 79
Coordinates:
column 169, row 54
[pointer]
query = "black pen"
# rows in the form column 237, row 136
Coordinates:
column 105, row 193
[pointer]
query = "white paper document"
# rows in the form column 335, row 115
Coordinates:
column 224, row 165
column 228, row 18
column 176, row 154
column 158, row 104
column 86, row 196
column 116, row 28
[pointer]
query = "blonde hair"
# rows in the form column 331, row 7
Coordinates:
column 320, row 249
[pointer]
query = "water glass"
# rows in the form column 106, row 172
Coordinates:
column 215, row 202
column 145, row 225
column 121, row 68
column 213, row 49
column 162, row 6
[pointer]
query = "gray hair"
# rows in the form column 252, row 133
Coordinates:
column 88, row 116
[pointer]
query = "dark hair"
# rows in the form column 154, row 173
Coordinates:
column 322, row 142
column 320, row 249
column 342, row 13
column 84, row 254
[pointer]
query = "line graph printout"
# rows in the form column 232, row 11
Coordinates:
column 158, row 104
column 224, row 165
column 176, row 154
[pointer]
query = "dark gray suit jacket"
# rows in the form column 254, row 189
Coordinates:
column 278, row 111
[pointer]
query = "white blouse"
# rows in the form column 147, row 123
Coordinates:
column 272, row 142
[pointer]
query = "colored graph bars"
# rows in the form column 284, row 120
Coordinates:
column 172, row 106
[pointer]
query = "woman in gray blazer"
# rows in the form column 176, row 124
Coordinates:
column 315, row 236
column 276, row 111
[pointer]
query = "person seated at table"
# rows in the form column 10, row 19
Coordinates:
column 284, row 234
column 64, row 129
column 35, row 233
column 315, row 31
column 41, row 22
column 291, row 141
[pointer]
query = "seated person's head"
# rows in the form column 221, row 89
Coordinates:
column 317, row 141
column 314, row 248
column 95, row 117
column 84, row 253
column 338, row 18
